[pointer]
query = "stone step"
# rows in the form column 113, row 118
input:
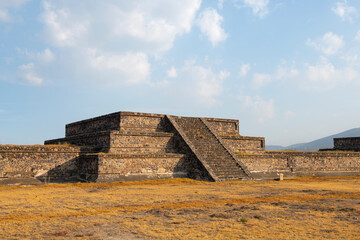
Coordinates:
column 140, row 150
column 229, row 173
column 209, row 149
column 142, row 132
column 140, row 155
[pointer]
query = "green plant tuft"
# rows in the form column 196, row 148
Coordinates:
column 243, row 220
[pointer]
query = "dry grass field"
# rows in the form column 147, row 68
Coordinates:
column 302, row 208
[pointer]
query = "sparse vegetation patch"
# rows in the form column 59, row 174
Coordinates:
column 303, row 208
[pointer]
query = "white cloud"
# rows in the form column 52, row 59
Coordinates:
column 344, row 11
column 62, row 29
column 320, row 76
column 28, row 75
column 357, row 37
column 350, row 74
column 289, row 114
column 329, row 44
column 132, row 67
column 135, row 25
column 46, row 56
column 220, row 4
column 5, row 16
column 224, row 74
column 172, row 73
column 262, row 109
column 284, row 73
column 199, row 84
column 351, row 58
column 118, row 38
column 324, row 72
column 259, row 7
column 139, row 25
column 209, row 22
column 12, row 3
column 208, row 86
column 260, row 80
column 244, row 69
column 324, row 75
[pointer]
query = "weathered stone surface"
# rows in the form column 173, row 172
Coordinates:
column 143, row 122
column 270, row 164
column 92, row 125
column 244, row 144
column 128, row 133
column 99, row 139
column 135, row 146
column 58, row 162
column 349, row 144
column 138, row 142
column 209, row 149
column 224, row 126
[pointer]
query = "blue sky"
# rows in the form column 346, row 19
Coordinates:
column 289, row 70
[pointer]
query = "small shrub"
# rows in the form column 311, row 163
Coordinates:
column 257, row 217
column 243, row 220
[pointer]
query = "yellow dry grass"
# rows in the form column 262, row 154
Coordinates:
column 303, row 208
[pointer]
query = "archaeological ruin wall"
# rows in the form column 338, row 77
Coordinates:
column 347, row 144
column 125, row 146
column 270, row 164
column 60, row 163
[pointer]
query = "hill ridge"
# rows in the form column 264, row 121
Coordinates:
column 315, row 145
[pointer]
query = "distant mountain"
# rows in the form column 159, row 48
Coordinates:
column 326, row 142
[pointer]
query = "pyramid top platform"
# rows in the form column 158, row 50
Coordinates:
column 145, row 122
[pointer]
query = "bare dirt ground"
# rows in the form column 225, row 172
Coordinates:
column 302, row 208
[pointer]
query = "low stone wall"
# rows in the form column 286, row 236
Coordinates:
column 143, row 122
column 36, row 161
column 224, row 126
column 136, row 167
column 271, row 164
column 99, row 139
column 123, row 167
column 127, row 143
column 244, row 144
column 103, row 123
column 350, row 143
column 66, row 163
column 72, row 163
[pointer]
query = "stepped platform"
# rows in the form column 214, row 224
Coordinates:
column 127, row 142
column 125, row 146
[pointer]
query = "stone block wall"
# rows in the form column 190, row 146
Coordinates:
column 155, row 142
column 244, row 144
column 143, row 122
column 99, row 139
column 224, row 126
column 350, row 143
column 36, row 161
column 118, row 167
column 92, row 125
column 270, row 164
column 73, row 163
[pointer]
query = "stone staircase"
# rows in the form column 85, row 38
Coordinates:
column 209, row 148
